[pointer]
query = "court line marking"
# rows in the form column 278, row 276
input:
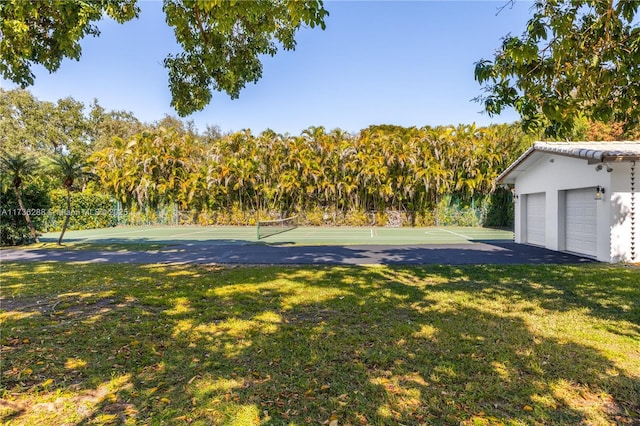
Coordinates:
column 206, row 231
column 455, row 233
column 100, row 235
column 307, row 232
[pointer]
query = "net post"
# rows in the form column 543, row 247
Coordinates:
column 257, row 224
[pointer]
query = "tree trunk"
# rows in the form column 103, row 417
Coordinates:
column 67, row 216
column 34, row 233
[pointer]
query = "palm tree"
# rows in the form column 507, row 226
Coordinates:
column 70, row 167
column 16, row 166
column 110, row 166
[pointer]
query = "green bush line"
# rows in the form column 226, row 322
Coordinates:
column 48, row 210
column 88, row 211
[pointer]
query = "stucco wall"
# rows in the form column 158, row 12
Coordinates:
column 620, row 223
column 554, row 174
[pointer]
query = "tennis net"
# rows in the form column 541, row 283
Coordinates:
column 267, row 228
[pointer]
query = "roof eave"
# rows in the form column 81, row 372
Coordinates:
column 503, row 176
column 619, row 158
column 591, row 156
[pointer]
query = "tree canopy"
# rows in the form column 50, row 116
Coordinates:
column 47, row 31
column 30, row 125
column 221, row 40
column 576, row 58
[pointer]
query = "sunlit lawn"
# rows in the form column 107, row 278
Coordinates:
column 125, row 344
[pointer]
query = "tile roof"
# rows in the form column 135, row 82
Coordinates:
column 594, row 152
column 603, row 151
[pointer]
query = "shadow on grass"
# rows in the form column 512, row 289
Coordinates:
column 378, row 345
column 605, row 291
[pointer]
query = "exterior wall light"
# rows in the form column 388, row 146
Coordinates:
column 599, row 192
column 608, row 168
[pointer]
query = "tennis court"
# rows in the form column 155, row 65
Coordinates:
column 303, row 245
column 298, row 236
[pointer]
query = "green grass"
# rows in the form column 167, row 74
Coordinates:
column 158, row 344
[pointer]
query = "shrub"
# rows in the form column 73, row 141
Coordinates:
column 426, row 218
column 88, row 211
column 313, row 217
column 13, row 226
column 358, row 218
column 500, row 211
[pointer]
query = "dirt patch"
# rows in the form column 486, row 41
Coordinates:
column 25, row 304
column 68, row 306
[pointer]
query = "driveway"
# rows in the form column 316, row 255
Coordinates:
column 487, row 252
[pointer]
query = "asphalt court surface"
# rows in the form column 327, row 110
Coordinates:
column 346, row 246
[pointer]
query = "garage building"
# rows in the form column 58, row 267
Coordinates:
column 578, row 197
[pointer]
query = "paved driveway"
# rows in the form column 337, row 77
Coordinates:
column 498, row 252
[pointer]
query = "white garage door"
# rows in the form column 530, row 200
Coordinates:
column 580, row 221
column 535, row 219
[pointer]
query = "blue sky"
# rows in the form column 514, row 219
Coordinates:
column 378, row 62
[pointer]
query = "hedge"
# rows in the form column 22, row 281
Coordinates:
column 88, row 211
column 13, row 226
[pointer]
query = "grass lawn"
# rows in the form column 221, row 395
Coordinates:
column 157, row 344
